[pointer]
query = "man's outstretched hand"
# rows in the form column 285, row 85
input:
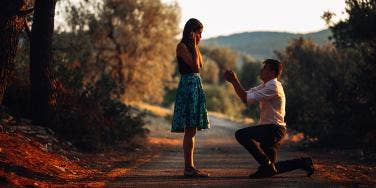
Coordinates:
column 230, row 76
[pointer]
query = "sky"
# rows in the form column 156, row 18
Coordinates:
column 225, row 17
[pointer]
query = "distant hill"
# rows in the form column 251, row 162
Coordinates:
column 261, row 45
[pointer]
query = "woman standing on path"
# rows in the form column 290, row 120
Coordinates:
column 190, row 112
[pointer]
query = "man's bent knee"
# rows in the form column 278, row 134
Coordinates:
column 240, row 136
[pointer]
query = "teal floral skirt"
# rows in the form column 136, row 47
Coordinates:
column 190, row 105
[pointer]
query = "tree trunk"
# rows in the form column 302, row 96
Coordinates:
column 121, row 62
column 11, row 26
column 40, row 59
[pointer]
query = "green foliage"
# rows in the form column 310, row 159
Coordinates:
column 127, row 122
column 223, row 99
column 359, row 28
column 87, row 114
column 330, row 89
column 131, row 41
column 323, row 97
column 306, row 85
column 93, row 120
column 112, row 50
column 169, row 97
column 210, row 71
column 249, row 72
column 224, row 57
column 356, row 35
column 249, row 77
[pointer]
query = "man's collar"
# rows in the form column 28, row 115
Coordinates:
column 275, row 79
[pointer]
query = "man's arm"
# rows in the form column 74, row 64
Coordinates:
column 266, row 92
column 231, row 77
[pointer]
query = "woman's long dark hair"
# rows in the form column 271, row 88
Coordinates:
column 192, row 25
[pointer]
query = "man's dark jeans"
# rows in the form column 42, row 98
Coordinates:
column 268, row 137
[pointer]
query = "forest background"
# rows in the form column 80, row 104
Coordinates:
column 81, row 79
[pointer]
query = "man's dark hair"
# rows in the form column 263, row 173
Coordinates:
column 275, row 66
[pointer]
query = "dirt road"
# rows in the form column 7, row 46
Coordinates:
column 218, row 153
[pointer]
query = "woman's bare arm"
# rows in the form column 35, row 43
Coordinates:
column 183, row 52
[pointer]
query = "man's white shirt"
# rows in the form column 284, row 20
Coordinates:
column 272, row 102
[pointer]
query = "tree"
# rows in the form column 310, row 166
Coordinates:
column 133, row 42
column 309, row 78
column 249, row 77
column 223, row 56
column 359, row 28
column 357, row 35
column 210, row 71
column 249, row 72
column 12, row 23
column 41, row 77
column 323, row 95
column 329, row 90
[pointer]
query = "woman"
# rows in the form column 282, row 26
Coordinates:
column 190, row 112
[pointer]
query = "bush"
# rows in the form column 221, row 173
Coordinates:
column 17, row 99
column 222, row 98
column 249, row 77
column 324, row 99
column 210, row 71
column 93, row 119
column 169, row 97
column 91, row 126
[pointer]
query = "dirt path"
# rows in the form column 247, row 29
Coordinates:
column 218, row 153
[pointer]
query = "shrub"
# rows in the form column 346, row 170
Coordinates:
column 93, row 119
column 324, row 99
column 222, row 98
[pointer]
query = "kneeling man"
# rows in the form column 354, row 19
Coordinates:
column 262, row 141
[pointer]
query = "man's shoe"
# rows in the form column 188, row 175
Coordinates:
column 264, row 171
column 307, row 165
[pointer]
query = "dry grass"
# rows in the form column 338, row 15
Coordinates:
column 155, row 110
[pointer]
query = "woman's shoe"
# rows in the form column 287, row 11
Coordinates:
column 194, row 173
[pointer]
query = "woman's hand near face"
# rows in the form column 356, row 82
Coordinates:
column 195, row 38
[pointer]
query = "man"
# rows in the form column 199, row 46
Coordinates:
column 271, row 128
